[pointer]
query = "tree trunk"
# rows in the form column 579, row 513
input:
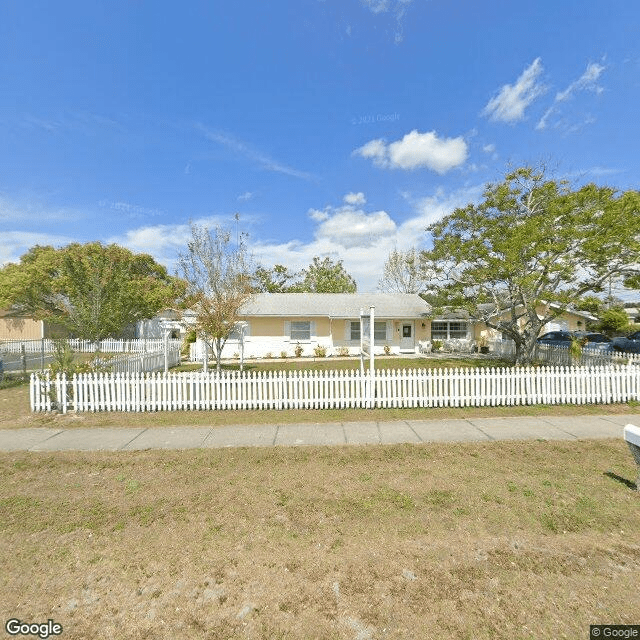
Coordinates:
column 219, row 345
column 525, row 348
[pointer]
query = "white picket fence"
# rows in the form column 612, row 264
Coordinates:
column 336, row 389
column 558, row 355
column 144, row 362
column 108, row 345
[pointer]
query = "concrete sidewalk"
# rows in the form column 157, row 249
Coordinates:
column 335, row 433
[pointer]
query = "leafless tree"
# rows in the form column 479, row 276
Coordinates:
column 404, row 273
column 219, row 283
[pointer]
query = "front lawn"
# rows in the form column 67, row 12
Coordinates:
column 492, row 541
column 327, row 364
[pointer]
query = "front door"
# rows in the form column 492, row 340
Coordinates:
column 407, row 339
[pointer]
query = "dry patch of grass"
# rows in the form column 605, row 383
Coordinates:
column 494, row 540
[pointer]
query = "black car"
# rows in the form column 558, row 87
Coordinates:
column 592, row 340
column 630, row 343
column 556, row 338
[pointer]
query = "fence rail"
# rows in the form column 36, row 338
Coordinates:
column 335, row 389
column 558, row 355
column 108, row 345
column 144, row 362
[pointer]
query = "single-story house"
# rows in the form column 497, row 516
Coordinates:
column 279, row 322
column 276, row 323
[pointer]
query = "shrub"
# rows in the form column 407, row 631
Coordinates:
column 614, row 320
column 268, row 355
column 387, row 350
column 298, row 350
column 283, row 354
column 320, row 351
column 343, row 351
column 436, row 345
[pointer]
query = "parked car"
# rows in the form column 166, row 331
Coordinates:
column 630, row 343
column 592, row 340
column 556, row 338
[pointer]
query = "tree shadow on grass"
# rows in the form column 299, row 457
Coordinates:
column 621, row 480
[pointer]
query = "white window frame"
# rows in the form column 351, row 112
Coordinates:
column 449, row 335
column 307, row 332
column 378, row 325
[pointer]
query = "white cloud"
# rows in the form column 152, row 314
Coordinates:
column 131, row 210
column 243, row 149
column 489, row 148
column 350, row 229
column 162, row 241
column 509, row 104
column 356, row 199
column 397, row 8
column 376, row 6
column 247, row 195
column 16, row 243
column 363, row 240
column 588, row 81
column 417, row 150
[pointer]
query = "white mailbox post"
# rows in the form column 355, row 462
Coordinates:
column 632, row 436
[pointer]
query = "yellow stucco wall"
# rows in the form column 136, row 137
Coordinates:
column 20, row 328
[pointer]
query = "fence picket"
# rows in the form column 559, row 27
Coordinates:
column 229, row 390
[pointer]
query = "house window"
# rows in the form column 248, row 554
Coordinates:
column 448, row 329
column 379, row 331
column 301, row 330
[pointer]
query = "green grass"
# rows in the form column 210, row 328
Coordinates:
column 326, row 364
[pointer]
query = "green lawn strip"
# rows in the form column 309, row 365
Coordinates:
column 340, row 364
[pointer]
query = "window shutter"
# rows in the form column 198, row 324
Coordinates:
column 312, row 329
column 347, row 330
column 287, row 329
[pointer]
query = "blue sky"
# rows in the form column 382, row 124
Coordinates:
column 333, row 127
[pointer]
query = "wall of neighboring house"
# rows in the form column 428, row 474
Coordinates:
column 25, row 328
column 20, row 328
column 566, row 321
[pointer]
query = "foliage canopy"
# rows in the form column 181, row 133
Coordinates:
column 321, row 276
column 93, row 290
column 531, row 250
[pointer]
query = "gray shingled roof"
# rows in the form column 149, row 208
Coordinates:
column 336, row 305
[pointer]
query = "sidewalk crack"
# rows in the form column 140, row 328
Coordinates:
column 132, row 439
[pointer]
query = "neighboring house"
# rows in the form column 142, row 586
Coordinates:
column 569, row 320
column 634, row 314
column 20, row 327
column 168, row 320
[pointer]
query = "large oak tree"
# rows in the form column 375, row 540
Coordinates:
column 532, row 249
column 94, row 290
